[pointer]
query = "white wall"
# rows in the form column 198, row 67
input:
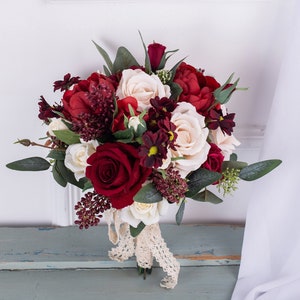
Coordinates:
column 42, row 40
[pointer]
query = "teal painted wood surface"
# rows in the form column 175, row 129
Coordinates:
column 195, row 283
column 68, row 263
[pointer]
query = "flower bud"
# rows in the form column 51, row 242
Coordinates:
column 134, row 122
column 24, row 142
column 156, row 52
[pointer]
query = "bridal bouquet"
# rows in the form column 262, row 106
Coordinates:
column 139, row 137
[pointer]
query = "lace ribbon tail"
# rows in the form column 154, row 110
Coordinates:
column 164, row 257
column 114, row 223
column 143, row 252
column 120, row 236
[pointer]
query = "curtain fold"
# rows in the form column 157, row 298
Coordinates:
column 270, row 265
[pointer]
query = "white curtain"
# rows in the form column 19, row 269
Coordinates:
column 270, row 265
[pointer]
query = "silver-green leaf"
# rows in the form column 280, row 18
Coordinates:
column 199, row 179
column 259, row 169
column 207, row 196
column 148, row 194
column 67, row 136
column 124, row 60
column 29, row 164
column 180, row 212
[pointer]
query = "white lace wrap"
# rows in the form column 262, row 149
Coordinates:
column 147, row 245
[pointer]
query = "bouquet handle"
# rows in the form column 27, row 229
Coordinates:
column 147, row 245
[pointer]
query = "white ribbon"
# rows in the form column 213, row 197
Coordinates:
column 147, row 245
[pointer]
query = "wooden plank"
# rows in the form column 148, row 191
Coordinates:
column 205, row 283
column 70, row 248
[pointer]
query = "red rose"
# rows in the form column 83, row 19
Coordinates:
column 214, row 159
column 156, row 52
column 197, row 89
column 123, row 110
column 116, row 173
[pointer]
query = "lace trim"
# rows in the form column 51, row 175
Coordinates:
column 147, row 245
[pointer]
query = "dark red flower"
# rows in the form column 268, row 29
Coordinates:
column 90, row 106
column 90, row 209
column 169, row 127
column 163, row 105
column 123, row 111
column 160, row 109
column 154, row 148
column 115, row 172
column 216, row 119
column 197, row 89
column 156, row 52
column 172, row 186
column 214, row 160
column 66, row 83
column 46, row 111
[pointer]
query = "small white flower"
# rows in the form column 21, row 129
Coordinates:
column 76, row 156
column 148, row 213
column 191, row 142
column 225, row 142
column 134, row 122
column 56, row 124
column 141, row 86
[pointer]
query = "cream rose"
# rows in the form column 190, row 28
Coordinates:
column 141, row 86
column 76, row 156
column 225, row 142
column 56, row 124
column 148, row 213
column 191, row 142
column 167, row 161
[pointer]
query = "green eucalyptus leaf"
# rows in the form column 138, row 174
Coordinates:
column 106, row 71
column 135, row 231
column 259, row 169
column 199, row 179
column 180, row 212
column 232, row 164
column 223, row 93
column 165, row 57
column 148, row 194
column 67, row 136
column 147, row 59
column 58, row 177
column 87, row 185
column 67, row 174
column 106, row 58
column 207, row 196
column 124, row 60
column 176, row 90
column 29, row 164
column 173, row 70
column 83, row 183
column 57, row 154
